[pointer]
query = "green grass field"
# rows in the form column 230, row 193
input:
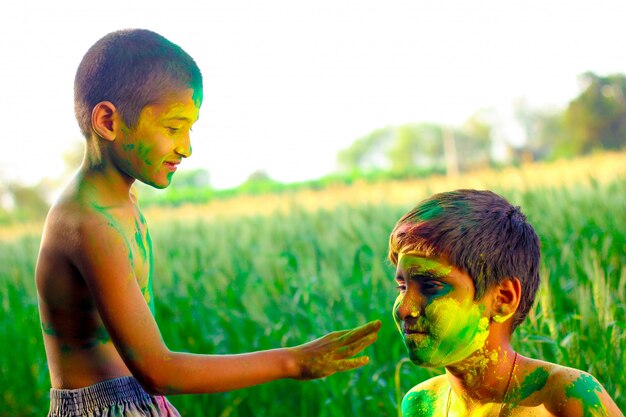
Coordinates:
column 232, row 285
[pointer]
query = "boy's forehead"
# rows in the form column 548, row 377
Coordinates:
column 177, row 105
column 421, row 261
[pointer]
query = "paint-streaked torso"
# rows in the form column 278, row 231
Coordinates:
column 78, row 347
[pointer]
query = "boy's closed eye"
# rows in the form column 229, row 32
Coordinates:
column 427, row 284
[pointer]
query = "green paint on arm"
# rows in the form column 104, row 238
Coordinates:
column 48, row 329
column 586, row 389
column 419, row 403
column 140, row 241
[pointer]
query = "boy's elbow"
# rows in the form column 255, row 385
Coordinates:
column 150, row 386
column 152, row 375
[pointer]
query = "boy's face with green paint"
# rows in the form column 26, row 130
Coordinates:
column 436, row 313
column 151, row 151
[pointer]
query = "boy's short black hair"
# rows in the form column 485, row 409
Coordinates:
column 479, row 232
column 132, row 68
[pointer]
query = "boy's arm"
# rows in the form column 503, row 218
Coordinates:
column 105, row 261
column 580, row 394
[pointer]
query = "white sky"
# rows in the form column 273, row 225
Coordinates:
column 290, row 83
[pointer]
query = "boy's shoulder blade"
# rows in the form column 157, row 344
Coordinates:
column 426, row 399
column 564, row 391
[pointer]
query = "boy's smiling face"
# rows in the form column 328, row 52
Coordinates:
column 436, row 313
column 151, row 151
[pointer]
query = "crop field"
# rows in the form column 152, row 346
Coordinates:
column 236, row 283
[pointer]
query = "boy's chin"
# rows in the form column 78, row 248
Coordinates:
column 424, row 359
column 157, row 185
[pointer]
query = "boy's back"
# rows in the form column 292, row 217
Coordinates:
column 79, row 349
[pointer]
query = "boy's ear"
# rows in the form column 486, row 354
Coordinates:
column 506, row 299
column 104, row 119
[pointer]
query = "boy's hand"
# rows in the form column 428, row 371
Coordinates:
column 333, row 352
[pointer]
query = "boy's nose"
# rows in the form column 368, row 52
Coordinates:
column 184, row 152
column 183, row 148
column 410, row 306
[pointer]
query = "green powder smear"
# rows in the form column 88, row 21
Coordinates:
column 534, row 382
column 419, row 403
column 586, row 389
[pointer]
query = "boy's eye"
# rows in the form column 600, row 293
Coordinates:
column 401, row 288
column 172, row 129
column 432, row 286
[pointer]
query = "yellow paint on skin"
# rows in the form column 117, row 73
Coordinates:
column 408, row 260
column 455, row 331
column 464, row 322
column 501, row 319
column 450, row 330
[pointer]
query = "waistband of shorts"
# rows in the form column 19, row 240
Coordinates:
column 102, row 394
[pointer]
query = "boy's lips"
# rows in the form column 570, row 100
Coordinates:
column 408, row 330
column 171, row 165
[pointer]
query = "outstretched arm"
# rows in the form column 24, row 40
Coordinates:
column 104, row 262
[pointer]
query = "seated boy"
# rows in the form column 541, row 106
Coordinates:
column 136, row 97
column 467, row 272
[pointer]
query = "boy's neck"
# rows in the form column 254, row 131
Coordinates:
column 106, row 184
column 483, row 377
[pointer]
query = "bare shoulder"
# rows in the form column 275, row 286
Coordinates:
column 426, row 398
column 74, row 225
column 563, row 391
column 67, row 221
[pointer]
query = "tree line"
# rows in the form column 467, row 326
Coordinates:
column 595, row 120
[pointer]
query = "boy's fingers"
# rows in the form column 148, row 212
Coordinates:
column 357, row 346
column 361, row 332
column 352, row 363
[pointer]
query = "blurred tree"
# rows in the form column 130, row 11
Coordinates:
column 596, row 119
column 259, row 182
column 367, row 152
column 544, row 130
column 473, row 142
column 423, row 147
column 28, row 202
column 415, row 145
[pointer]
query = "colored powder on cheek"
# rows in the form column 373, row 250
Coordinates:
column 143, row 152
column 419, row 403
column 457, row 330
column 586, row 389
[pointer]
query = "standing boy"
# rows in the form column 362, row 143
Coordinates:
column 467, row 272
column 136, row 97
